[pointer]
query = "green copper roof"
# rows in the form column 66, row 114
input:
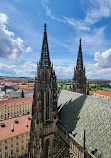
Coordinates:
column 78, row 112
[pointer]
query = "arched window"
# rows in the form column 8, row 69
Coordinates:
column 47, row 105
column 47, row 149
column 42, row 101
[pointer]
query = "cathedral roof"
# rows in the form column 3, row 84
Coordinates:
column 78, row 112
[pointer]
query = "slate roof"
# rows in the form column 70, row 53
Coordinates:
column 78, row 112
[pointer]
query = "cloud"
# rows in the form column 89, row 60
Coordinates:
column 94, row 72
column 94, row 41
column 7, row 69
column 28, row 50
column 103, row 59
column 77, row 24
column 30, row 67
column 49, row 11
column 102, row 67
column 64, row 71
column 98, row 9
column 9, row 46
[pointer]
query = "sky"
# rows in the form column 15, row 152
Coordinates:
column 21, row 35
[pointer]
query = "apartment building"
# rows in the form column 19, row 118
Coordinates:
column 15, row 107
column 14, row 136
column 103, row 94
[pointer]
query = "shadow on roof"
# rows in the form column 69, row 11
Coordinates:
column 69, row 113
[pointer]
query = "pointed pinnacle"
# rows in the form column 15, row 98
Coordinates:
column 80, row 44
column 45, row 26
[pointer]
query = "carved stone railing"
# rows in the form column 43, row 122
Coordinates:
column 48, row 129
column 75, row 148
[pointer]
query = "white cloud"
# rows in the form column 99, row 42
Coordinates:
column 102, row 67
column 3, row 19
column 9, row 46
column 8, row 70
column 103, row 59
column 28, row 50
column 77, row 24
column 98, row 9
column 27, row 70
column 94, row 72
column 30, row 67
column 64, row 71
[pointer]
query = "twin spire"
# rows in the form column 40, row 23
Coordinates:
column 45, row 58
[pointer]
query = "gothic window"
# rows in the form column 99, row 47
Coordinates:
column 47, row 149
column 47, row 105
column 42, row 101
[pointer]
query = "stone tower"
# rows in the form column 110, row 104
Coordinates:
column 79, row 79
column 44, row 107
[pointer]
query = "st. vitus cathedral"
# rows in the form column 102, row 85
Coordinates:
column 48, row 139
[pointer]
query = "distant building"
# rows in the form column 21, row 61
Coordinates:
column 15, row 107
column 2, row 93
column 17, row 93
column 79, row 79
column 104, row 94
column 14, row 136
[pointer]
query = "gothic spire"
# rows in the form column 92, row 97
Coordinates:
column 79, row 65
column 45, row 58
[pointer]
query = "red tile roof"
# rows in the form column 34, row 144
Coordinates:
column 19, row 128
column 24, row 87
column 27, row 89
column 106, row 93
column 13, row 102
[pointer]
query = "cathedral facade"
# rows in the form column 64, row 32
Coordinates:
column 48, row 138
column 44, row 109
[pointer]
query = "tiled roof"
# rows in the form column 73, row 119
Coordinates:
column 24, row 87
column 13, row 102
column 27, row 89
column 19, row 128
column 106, row 93
column 78, row 112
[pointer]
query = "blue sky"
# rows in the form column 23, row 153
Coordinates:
column 21, row 34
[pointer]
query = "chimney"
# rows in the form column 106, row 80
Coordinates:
column 12, row 127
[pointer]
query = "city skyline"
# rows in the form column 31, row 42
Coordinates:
column 21, row 34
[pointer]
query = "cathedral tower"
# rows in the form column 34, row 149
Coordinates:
column 79, row 79
column 44, row 107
